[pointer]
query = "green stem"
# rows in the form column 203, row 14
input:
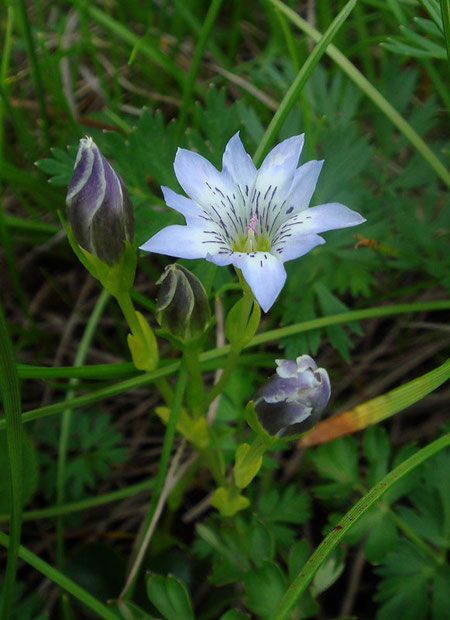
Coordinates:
column 213, row 354
column 84, row 504
column 129, row 312
column 327, row 546
column 160, row 479
column 10, row 393
column 195, row 388
column 235, row 347
column 302, row 77
column 61, row 580
column 80, row 357
column 224, row 378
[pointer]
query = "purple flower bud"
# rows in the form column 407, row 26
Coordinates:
column 98, row 206
column 291, row 401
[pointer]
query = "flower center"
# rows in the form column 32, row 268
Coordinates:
column 251, row 241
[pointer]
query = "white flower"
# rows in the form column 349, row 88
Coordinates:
column 253, row 219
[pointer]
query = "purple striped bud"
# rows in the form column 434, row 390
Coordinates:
column 291, row 401
column 98, row 206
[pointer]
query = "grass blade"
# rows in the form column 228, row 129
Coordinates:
column 370, row 91
column 61, row 580
column 377, row 409
column 445, row 10
column 300, row 81
column 213, row 354
column 331, row 541
column 10, row 391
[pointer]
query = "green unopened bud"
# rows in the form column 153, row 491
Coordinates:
column 183, row 308
column 99, row 209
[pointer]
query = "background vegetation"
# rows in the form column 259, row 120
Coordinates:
column 143, row 79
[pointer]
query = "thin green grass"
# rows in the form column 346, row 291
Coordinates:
column 298, row 84
column 10, row 392
column 323, row 551
column 370, row 91
column 271, row 335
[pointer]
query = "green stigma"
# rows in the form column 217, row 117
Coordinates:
column 251, row 243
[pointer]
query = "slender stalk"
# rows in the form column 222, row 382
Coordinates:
column 304, row 577
column 213, row 354
column 10, row 392
column 129, row 312
column 84, row 504
column 195, row 388
column 160, row 478
column 224, row 378
column 126, row 305
column 63, row 445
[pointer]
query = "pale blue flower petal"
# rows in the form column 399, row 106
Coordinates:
column 297, row 245
column 308, row 222
column 221, row 258
column 199, row 179
column 238, row 164
column 183, row 205
column 303, row 186
column 285, row 155
column 182, row 242
column 264, row 274
column 322, row 218
column 278, row 168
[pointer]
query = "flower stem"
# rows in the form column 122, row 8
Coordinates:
column 129, row 312
column 224, row 378
column 195, row 388
column 126, row 305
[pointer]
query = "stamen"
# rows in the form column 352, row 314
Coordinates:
column 252, row 224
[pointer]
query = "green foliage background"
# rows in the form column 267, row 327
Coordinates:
column 126, row 74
